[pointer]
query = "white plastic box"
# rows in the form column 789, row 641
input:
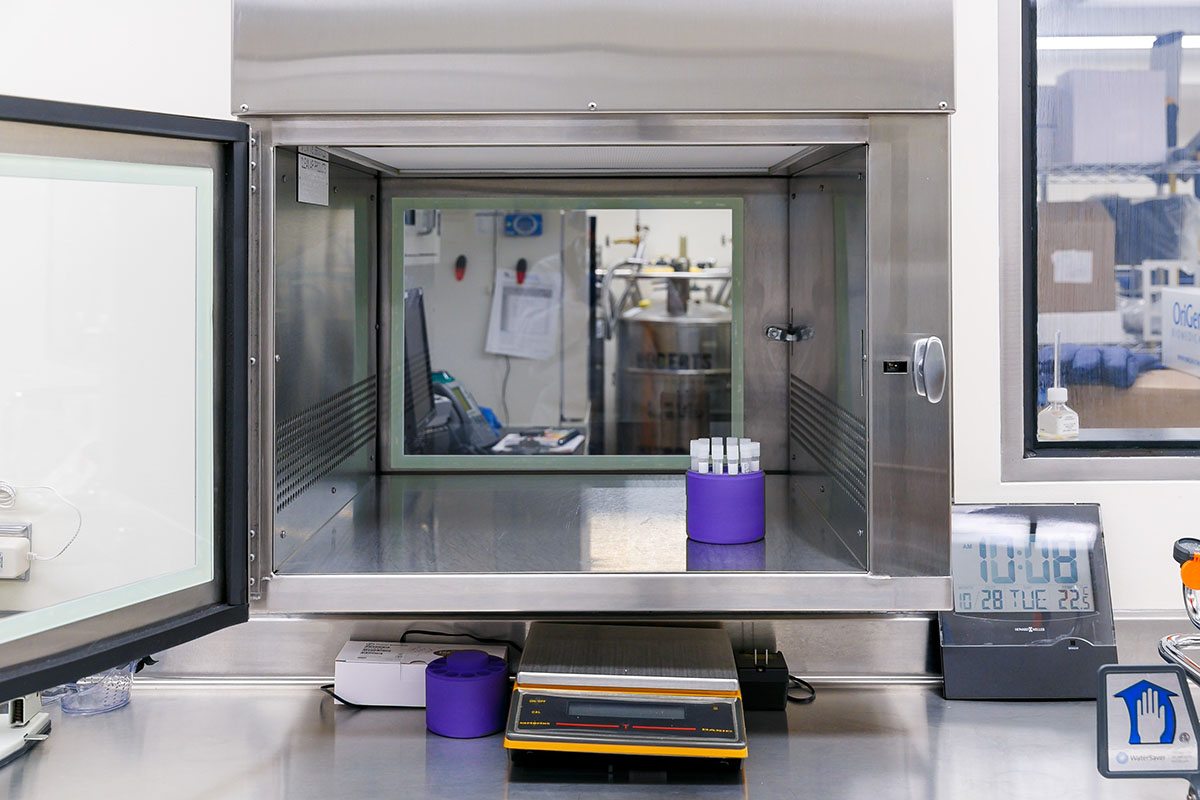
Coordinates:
column 1181, row 329
column 391, row 673
column 1110, row 117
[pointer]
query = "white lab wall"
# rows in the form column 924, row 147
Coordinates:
column 137, row 500
column 144, row 54
column 124, row 53
column 1141, row 519
column 457, row 314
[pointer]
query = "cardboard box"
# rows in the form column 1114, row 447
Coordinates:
column 1076, row 258
column 1110, row 117
column 391, row 673
column 1181, row 330
column 1160, row 398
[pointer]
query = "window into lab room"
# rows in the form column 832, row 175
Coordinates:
column 548, row 327
column 1115, row 202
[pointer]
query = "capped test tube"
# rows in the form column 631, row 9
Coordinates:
column 744, row 450
column 702, row 449
column 733, row 456
column 755, row 451
column 695, row 450
column 718, row 457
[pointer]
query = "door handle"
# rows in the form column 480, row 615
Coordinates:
column 929, row 368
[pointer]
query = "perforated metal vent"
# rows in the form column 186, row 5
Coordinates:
column 314, row 442
column 835, row 438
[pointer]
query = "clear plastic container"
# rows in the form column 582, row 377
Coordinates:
column 55, row 693
column 96, row 694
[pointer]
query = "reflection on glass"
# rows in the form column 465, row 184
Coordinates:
column 106, row 394
column 552, row 328
column 1118, row 219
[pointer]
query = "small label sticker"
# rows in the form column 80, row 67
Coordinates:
column 1072, row 266
column 312, row 177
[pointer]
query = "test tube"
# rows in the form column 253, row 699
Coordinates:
column 733, row 456
column 718, row 457
column 744, row 450
column 755, row 450
column 705, row 456
column 695, row 450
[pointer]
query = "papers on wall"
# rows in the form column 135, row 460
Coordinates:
column 524, row 318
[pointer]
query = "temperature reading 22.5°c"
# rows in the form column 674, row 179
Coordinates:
column 1008, row 574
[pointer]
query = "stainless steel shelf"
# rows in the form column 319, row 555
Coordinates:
column 569, row 544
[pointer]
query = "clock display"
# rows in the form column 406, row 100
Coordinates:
column 1001, row 573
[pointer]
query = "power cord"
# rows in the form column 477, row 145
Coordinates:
column 328, row 688
column 480, row 640
column 8, row 499
column 800, row 683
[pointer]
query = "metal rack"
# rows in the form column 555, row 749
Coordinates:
column 1099, row 173
column 1082, row 174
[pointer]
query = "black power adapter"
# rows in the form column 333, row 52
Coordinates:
column 763, row 677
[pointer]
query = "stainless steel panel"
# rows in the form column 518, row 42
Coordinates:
column 763, row 55
column 708, row 594
column 830, row 647
column 828, row 384
column 1014, row 466
column 65, row 142
column 503, row 130
column 293, row 742
column 324, row 357
column 324, row 259
column 836, row 647
column 908, row 209
column 261, row 341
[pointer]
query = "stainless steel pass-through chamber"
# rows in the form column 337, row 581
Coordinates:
column 755, row 244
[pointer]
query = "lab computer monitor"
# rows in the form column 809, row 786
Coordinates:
column 418, row 380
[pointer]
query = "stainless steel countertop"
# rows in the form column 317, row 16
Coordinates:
column 186, row 741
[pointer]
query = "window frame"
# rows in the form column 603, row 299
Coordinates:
column 1023, row 457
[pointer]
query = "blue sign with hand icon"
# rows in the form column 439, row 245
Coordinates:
column 1151, row 713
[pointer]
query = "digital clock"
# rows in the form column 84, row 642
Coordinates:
column 1013, row 571
column 1032, row 613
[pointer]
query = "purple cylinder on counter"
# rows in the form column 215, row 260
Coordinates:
column 466, row 695
column 726, row 509
column 703, row 557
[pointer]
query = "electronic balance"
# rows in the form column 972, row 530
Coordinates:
column 627, row 690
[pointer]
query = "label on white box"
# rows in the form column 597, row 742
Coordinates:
column 1072, row 266
column 1181, row 329
column 391, row 673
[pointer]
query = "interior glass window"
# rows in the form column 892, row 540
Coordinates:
column 1115, row 203
column 558, row 328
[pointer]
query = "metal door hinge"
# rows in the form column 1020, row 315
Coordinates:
column 788, row 333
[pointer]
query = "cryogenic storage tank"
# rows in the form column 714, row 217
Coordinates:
column 673, row 377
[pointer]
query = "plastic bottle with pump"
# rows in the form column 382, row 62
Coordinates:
column 1057, row 421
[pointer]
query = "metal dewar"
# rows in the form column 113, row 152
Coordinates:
column 673, row 377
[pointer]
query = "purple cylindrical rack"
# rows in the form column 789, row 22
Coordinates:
column 466, row 695
column 725, row 509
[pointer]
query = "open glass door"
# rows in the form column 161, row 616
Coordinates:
column 123, row 411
